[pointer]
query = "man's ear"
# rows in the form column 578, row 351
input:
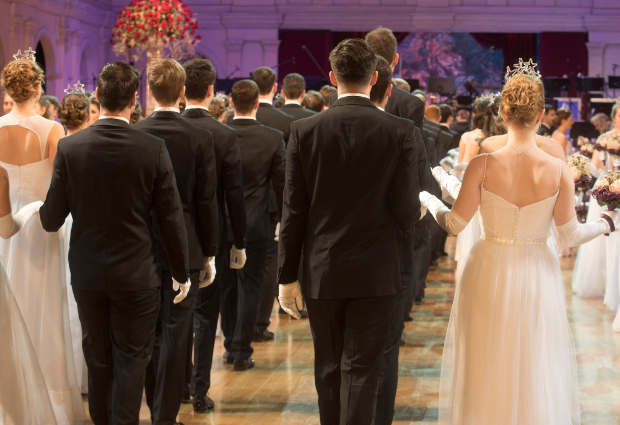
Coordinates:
column 388, row 92
column 395, row 61
column 373, row 79
column 332, row 79
column 210, row 91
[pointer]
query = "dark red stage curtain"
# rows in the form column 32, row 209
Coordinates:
column 514, row 45
column 563, row 53
column 319, row 43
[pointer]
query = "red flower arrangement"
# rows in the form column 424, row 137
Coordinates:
column 146, row 22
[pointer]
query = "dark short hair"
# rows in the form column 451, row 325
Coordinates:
column 53, row 100
column 446, row 112
column 116, row 85
column 313, row 100
column 264, row 78
column 384, row 69
column 327, row 92
column 463, row 114
column 293, row 86
column 353, row 61
column 244, row 96
column 383, row 42
column 402, row 84
column 166, row 78
column 199, row 75
column 549, row 107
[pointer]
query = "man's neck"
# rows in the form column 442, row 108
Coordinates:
column 206, row 102
column 267, row 97
column 159, row 105
column 293, row 100
column 249, row 115
column 125, row 113
column 354, row 90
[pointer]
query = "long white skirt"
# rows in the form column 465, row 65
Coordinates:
column 509, row 356
column 590, row 273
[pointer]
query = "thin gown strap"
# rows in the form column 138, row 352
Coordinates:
column 560, row 180
column 484, row 173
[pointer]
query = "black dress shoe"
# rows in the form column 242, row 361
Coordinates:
column 268, row 336
column 408, row 317
column 243, row 365
column 261, row 335
column 304, row 314
column 202, row 404
column 186, row 398
column 229, row 358
column 419, row 301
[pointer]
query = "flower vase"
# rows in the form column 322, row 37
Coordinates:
column 154, row 52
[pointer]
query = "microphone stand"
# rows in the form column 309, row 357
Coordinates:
column 231, row 74
column 316, row 63
column 284, row 63
column 492, row 48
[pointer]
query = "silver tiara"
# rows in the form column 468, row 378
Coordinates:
column 27, row 55
column 523, row 68
column 77, row 88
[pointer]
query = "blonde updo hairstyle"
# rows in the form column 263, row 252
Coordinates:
column 21, row 78
column 73, row 110
column 523, row 98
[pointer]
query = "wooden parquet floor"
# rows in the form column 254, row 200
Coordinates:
column 280, row 389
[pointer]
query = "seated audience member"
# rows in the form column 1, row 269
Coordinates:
column 54, row 105
column 95, row 110
column 327, row 91
column 402, row 84
column 601, row 122
column 313, row 100
column 433, row 113
column 42, row 107
column 446, row 115
column 8, row 103
column 546, row 125
column 217, row 107
column 462, row 124
column 293, row 91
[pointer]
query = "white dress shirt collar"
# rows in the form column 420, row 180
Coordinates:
column 197, row 107
column 265, row 101
column 167, row 109
column 379, row 107
column 108, row 117
column 292, row 102
column 244, row 118
column 353, row 95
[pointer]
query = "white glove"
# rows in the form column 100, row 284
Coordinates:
column 237, row 258
column 450, row 183
column 207, row 274
column 291, row 299
column 447, row 163
column 423, row 211
column 11, row 224
column 594, row 170
column 184, row 290
column 574, row 233
column 277, row 238
column 446, row 218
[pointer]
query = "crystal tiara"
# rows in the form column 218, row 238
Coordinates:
column 27, row 55
column 77, row 88
column 523, row 68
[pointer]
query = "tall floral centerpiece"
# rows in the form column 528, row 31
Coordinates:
column 159, row 28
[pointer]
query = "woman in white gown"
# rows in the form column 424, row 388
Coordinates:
column 74, row 114
column 509, row 357
column 24, row 399
column 34, row 259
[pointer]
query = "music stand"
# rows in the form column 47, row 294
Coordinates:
column 442, row 85
column 414, row 83
column 554, row 86
column 590, row 84
column 614, row 82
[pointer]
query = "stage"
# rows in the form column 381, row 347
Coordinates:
column 280, row 389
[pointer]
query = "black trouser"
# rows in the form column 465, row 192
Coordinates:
column 239, row 300
column 118, row 331
column 388, row 381
column 349, row 341
column 421, row 262
column 269, row 287
column 439, row 236
column 206, row 313
column 165, row 375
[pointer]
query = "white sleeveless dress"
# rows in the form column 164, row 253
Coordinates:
column 509, row 357
column 36, row 264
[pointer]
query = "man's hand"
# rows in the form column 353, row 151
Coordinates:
column 291, row 299
column 237, row 258
column 184, row 290
column 207, row 274
column 277, row 238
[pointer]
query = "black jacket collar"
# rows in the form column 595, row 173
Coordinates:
column 244, row 122
column 196, row 113
column 110, row 121
column 292, row 105
column 353, row 100
column 265, row 105
column 171, row 115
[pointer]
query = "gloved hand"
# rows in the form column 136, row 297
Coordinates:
column 207, row 274
column 447, row 163
column 291, row 299
column 277, row 238
column 237, row 258
column 184, row 290
column 450, row 183
column 425, row 197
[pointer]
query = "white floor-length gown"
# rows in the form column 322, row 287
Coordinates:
column 509, row 357
column 35, row 264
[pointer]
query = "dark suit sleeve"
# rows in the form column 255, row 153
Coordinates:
column 232, row 180
column 169, row 212
column 418, row 113
column 56, row 207
column 205, row 197
column 278, row 175
column 427, row 181
column 294, row 214
column 431, row 150
column 406, row 186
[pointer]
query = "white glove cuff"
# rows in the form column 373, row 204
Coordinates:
column 574, row 233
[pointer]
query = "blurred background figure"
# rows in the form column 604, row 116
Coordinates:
column 42, row 107
column 8, row 104
column 601, row 122
column 217, row 109
column 433, row 113
column 182, row 104
column 326, row 91
column 313, row 100
column 95, row 110
column 462, row 123
column 53, row 106
column 136, row 115
column 400, row 83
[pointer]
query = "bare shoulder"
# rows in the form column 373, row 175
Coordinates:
column 476, row 166
column 550, row 147
column 57, row 132
column 493, row 143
